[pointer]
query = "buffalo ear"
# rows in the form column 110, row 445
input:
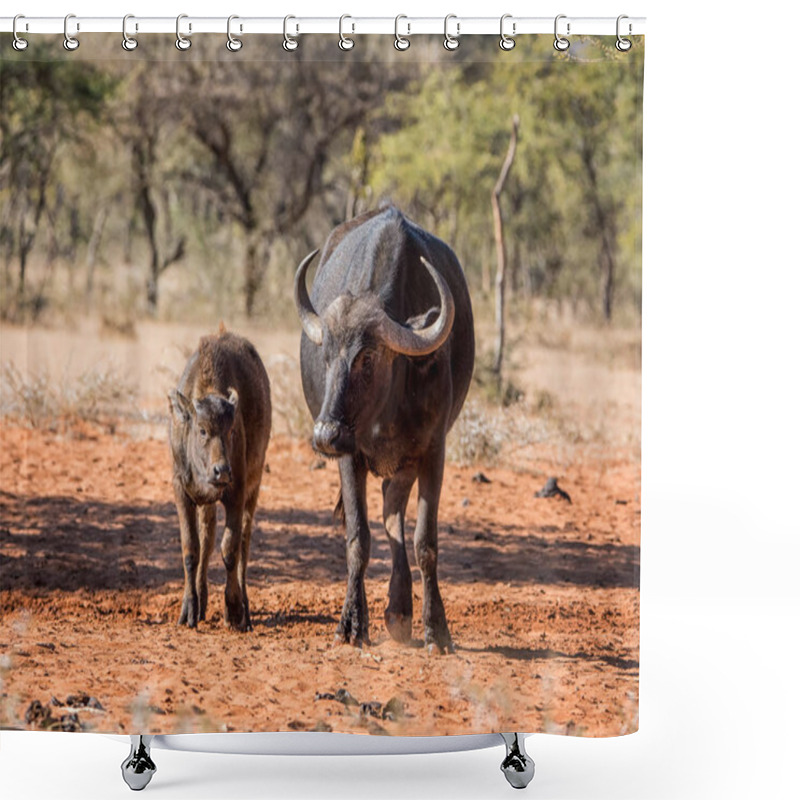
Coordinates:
column 181, row 407
column 233, row 396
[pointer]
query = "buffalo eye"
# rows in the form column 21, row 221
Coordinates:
column 366, row 366
column 203, row 433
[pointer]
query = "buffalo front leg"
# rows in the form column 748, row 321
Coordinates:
column 235, row 616
column 400, row 609
column 207, row 531
column 354, row 624
column 426, row 549
column 190, row 549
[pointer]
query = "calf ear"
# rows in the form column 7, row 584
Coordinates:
column 233, row 396
column 180, row 406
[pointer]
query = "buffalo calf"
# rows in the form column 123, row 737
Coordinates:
column 219, row 430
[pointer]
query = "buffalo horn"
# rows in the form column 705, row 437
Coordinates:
column 422, row 342
column 309, row 318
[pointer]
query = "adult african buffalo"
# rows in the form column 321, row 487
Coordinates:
column 386, row 355
column 219, row 431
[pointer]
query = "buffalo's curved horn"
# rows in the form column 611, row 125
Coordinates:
column 409, row 342
column 309, row 318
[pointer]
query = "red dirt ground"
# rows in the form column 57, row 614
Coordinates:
column 541, row 596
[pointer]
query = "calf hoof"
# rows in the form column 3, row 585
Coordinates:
column 399, row 626
column 354, row 640
column 189, row 614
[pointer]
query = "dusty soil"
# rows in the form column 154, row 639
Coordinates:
column 541, row 596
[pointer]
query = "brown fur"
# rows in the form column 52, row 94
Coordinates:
column 219, row 432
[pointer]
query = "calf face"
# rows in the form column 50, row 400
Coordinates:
column 201, row 442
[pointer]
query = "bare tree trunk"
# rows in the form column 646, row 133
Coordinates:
column 91, row 249
column 149, row 213
column 605, row 222
column 26, row 240
column 500, row 275
column 252, row 274
column 143, row 162
column 607, row 268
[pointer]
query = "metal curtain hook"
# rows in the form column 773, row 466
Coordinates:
column 561, row 44
column 233, row 44
column 289, row 42
column 18, row 42
column 623, row 45
column 128, row 42
column 451, row 42
column 400, row 42
column 70, row 42
column 181, row 42
column 345, row 43
column 507, row 42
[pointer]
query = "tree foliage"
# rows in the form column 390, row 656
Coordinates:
column 180, row 187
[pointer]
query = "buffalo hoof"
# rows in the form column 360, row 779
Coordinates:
column 439, row 642
column 237, row 617
column 517, row 766
column 399, row 626
column 138, row 768
column 353, row 627
column 238, row 624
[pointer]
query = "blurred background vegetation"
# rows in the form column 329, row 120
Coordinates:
column 133, row 187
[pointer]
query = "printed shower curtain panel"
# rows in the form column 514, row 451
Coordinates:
column 320, row 387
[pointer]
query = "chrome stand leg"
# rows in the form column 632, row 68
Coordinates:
column 517, row 766
column 138, row 768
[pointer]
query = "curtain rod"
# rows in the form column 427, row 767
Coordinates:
column 351, row 25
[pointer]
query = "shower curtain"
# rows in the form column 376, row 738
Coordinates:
column 478, row 213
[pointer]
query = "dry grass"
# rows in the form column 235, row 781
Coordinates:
column 289, row 411
column 100, row 395
column 491, row 434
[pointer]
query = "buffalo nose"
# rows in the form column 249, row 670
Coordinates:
column 222, row 473
column 325, row 435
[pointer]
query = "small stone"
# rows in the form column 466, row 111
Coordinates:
column 371, row 709
column 343, row 696
column 394, row 709
column 552, row 489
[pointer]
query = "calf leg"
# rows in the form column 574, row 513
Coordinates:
column 207, row 532
column 354, row 624
column 231, row 556
column 399, row 611
column 426, row 548
column 190, row 549
column 247, row 531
